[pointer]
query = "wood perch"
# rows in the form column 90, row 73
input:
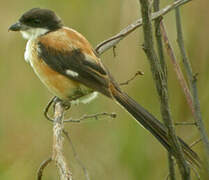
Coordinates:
column 57, row 153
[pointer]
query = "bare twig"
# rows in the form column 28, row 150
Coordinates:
column 195, row 142
column 132, row 78
column 114, row 51
column 164, row 101
column 171, row 161
column 191, row 165
column 193, row 86
column 193, row 168
column 161, row 86
column 95, row 116
column 43, row 165
column 181, row 79
column 114, row 40
column 85, row 171
column 195, row 172
column 185, row 88
column 84, row 117
column 57, row 154
column 185, row 123
column 177, row 69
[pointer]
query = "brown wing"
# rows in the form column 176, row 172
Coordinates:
column 66, row 51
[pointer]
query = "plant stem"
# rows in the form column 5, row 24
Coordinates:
column 161, row 85
column 193, row 86
column 165, row 110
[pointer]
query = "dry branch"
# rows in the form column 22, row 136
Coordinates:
column 91, row 116
column 57, row 154
column 161, row 85
column 132, row 78
column 193, row 87
column 177, row 69
column 165, row 109
column 114, row 40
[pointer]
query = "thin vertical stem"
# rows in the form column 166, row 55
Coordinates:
column 172, row 174
column 161, row 85
column 193, row 86
column 165, row 116
column 158, row 36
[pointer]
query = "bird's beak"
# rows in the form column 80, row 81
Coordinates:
column 18, row 27
column 15, row 27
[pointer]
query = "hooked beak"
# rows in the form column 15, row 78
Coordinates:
column 18, row 27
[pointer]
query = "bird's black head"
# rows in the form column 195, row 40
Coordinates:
column 37, row 18
column 41, row 18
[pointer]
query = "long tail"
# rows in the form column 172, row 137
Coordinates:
column 153, row 125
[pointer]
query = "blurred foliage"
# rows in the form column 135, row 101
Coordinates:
column 110, row 149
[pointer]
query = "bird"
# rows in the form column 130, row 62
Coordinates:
column 68, row 66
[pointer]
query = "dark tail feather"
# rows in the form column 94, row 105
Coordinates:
column 153, row 125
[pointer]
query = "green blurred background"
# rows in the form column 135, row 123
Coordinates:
column 110, row 149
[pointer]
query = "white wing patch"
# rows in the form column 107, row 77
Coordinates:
column 88, row 98
column 71, row 73
column 85, row 99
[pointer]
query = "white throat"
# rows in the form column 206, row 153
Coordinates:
column 33, row 33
